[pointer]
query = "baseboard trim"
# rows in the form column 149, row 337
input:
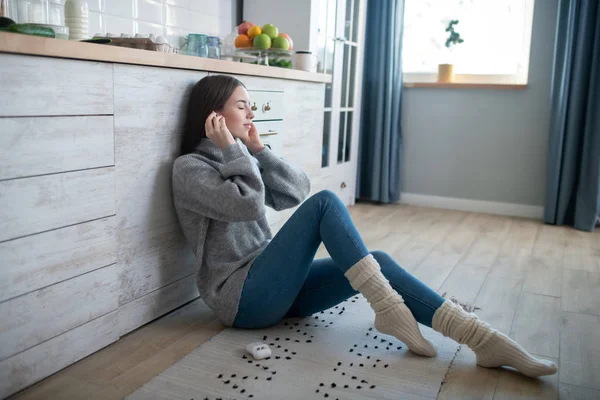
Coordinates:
column 489, row 207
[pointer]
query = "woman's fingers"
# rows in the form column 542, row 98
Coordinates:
column 209, row 124
column 217, row 121
column 215, row 124
column 208, row 127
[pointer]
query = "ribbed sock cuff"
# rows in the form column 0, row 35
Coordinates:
column 390, row 299
column 464, row 327
column 360, row 272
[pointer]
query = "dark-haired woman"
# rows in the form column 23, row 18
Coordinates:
column 222, row 183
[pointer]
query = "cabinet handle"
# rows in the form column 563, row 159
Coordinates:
column 254, row 108
column 266, row 107
column 343, row 185
column 271, row 133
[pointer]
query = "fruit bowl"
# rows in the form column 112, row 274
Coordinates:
column 263, row 55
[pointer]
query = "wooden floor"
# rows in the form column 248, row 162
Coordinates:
column 540, row 284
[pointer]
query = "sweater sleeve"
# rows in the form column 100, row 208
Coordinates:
column 233, row 193
column 286, row 186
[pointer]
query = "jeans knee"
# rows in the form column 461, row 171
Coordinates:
column 325, row 194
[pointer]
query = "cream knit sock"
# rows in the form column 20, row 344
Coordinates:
column 492, row 348
column 392, row 317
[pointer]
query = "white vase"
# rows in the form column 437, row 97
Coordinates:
column 77, row 19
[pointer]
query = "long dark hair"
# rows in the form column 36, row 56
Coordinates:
column 209, row 94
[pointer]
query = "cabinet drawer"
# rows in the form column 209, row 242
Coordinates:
column 41, row 203
column 43, row 86
column 37, row 261
column 266, row 105
column 47, row 145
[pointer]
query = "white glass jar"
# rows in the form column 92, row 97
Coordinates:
column 32, row 11
column 56, row 12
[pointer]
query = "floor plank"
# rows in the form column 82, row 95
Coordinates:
column 392, row 243
column 467, row 381
column 581, row 292
column 133, row 378
column 582, row 259
column 58, row 387
column 464, row 282
column 439, row 229
column 498, row 301
column 483, row 252
column 511, row 266
column 412, row 254
column 436, row 267
column 537, row 324
column 134, row 349
column 459, row 241
column 543, row 276
column 549, row 250
column 514, row 386
column 552, row 234
column 579, row 350
column 570, row 392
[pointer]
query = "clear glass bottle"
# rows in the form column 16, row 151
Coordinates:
column 214, row 47
column 228, row 45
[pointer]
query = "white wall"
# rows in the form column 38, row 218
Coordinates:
column 171, row 18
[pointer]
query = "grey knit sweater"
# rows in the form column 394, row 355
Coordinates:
column 220, row 199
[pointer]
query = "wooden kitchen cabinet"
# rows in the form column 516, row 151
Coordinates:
column 90, row 244
column 59, row 270
column 40, row 86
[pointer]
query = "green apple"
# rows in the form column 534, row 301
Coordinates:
column 281, row 43
column 262, row 42
column 270, row 30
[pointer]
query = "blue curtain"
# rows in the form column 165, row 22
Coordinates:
column 381, row 137
column 573, row 169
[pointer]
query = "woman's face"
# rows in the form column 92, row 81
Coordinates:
column 237, row 113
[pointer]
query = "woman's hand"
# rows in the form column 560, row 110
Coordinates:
column 252, row 141
column 216, row 130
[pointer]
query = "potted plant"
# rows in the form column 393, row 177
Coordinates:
column 446, row 71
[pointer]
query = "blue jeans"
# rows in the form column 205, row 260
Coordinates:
column 286, row 281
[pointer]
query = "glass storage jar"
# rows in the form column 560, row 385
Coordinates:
column 214, row 47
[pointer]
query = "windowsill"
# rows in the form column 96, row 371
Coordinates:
column 463, row 85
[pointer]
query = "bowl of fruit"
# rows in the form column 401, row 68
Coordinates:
column 264, row 42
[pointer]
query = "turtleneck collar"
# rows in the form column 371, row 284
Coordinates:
column 210, row 149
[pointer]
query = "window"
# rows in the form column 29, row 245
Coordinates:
column 496, row 34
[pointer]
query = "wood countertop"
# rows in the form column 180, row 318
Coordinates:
column 40, row 46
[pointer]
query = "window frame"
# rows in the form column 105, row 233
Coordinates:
column 516, row 80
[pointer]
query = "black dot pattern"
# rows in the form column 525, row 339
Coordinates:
column 350, row 374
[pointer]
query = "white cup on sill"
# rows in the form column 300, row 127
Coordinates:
column 306, row 61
